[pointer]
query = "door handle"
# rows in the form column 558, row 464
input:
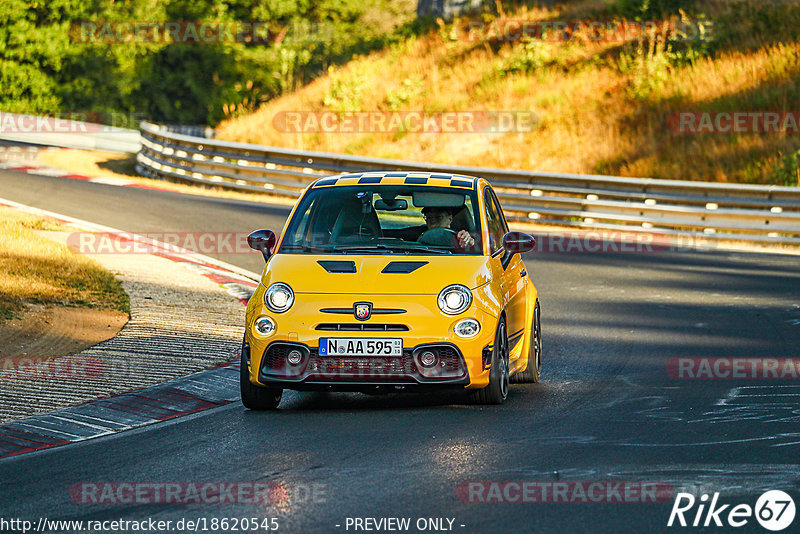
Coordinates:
column 522, row 273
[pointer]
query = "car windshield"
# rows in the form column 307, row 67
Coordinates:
column 390, row 219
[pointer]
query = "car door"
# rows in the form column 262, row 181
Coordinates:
column 509, row 269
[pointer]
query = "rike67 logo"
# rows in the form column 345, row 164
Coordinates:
column 774, row 510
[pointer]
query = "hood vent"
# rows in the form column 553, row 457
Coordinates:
column 403, row 267
column 340, row 266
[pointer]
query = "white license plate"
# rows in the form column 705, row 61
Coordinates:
column 360, row 346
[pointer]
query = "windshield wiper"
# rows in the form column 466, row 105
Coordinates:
column 395, row 247
column 422, row 248
column 359, row 248
column 304, row 248
column 391, row 248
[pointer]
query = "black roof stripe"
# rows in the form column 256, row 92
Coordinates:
column 456, row 180
column 370, row 180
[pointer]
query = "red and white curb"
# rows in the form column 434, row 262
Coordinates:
column 23, row 159
column 182, row 396
column 178, row 397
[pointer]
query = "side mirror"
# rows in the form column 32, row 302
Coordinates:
column 514, row 242
column 263, row 240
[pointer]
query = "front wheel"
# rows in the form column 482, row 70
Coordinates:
column 497, row 390
column 256, row 397
column 533, row 371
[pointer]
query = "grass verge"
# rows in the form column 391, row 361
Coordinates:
column 36, row 270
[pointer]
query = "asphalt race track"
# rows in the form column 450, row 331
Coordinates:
column 607, row 410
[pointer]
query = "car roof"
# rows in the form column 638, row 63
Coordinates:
column 432, row 179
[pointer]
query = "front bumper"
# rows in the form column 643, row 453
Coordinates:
column 422, row 327
column 449, row 369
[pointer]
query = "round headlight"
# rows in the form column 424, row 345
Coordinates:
column 467, row 328
column 264, row 326
column 455, row 299
column 279, row 297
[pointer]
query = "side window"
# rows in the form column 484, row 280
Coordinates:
column 502, row 216
column 494, row 221
column 304, row 229
column 303, row 223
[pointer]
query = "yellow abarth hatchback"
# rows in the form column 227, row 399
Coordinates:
column 384, row 281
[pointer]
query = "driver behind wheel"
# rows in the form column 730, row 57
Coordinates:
column 438, row 220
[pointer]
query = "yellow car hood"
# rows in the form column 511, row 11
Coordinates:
column 307, row 273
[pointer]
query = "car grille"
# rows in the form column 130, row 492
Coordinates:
column 275, row 357
column 274, row 361
column 362, row 327
column 392, row 369
column 362, row 368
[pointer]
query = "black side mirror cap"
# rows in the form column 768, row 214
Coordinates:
column 518, row 242
column 263, row 240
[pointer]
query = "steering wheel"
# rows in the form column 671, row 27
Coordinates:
column 440, row 237
column 341, row 234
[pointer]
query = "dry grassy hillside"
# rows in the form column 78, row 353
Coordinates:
column 603, row 105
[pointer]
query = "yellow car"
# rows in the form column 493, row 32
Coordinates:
column 384, row 281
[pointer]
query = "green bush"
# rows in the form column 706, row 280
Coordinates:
column 653, row 9
column 44, row 68
column 787, row 171
column 344, row 94
column 409, row 90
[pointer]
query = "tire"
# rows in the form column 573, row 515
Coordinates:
column 497, row 390
column 533, row 371
column 256, row 397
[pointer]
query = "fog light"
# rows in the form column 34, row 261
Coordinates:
column 467, row 328
column 294, row 357
column 264, row 326
column 427, row 358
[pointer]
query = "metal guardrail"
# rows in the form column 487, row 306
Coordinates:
column 709, row 210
